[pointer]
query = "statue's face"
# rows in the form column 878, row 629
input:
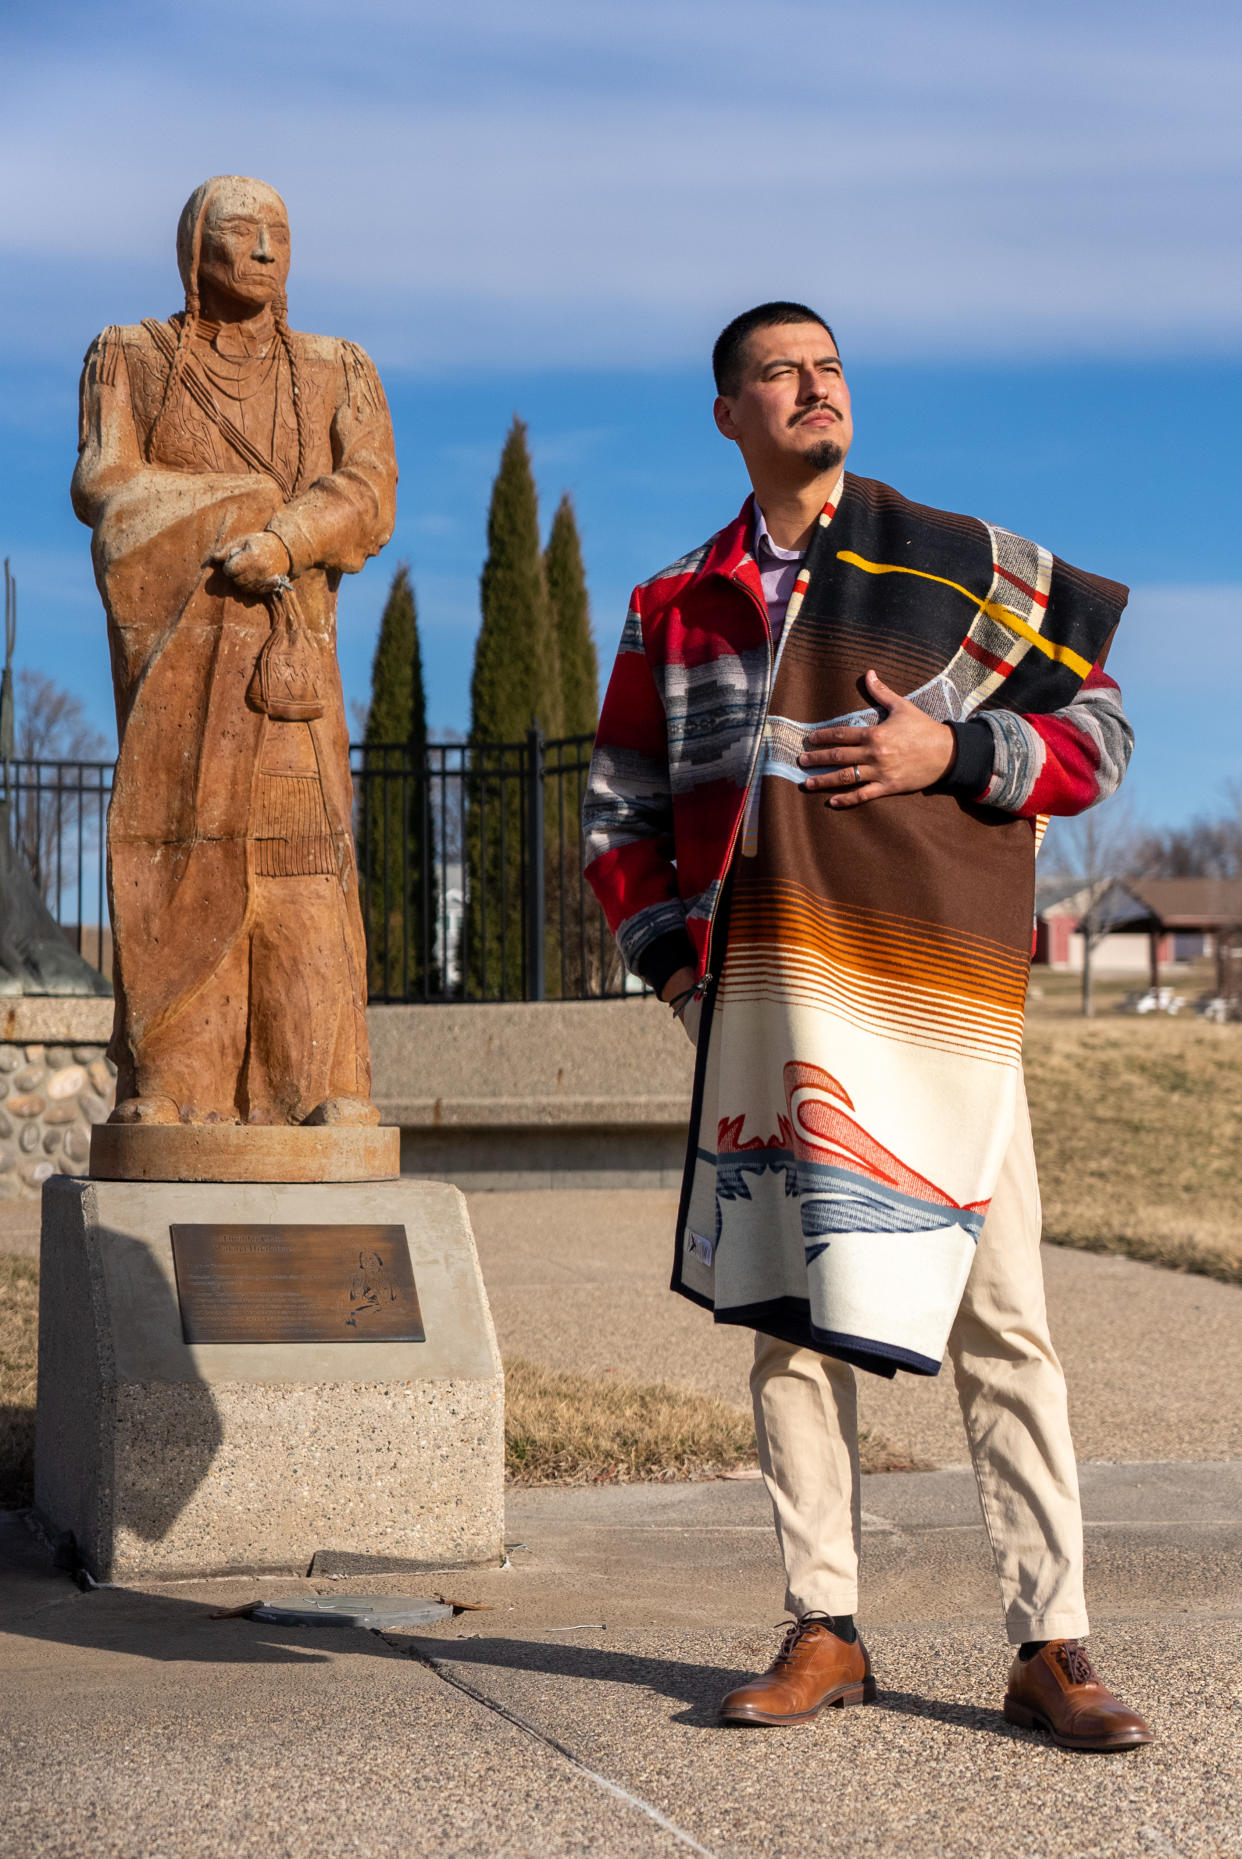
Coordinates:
column 244, row 255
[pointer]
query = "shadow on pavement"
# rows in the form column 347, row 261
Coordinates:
column 157, row 1627
column 40, row 1604
column 699, row 1686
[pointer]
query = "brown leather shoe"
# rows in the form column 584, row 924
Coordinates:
column 1057, row 1691
column 813, row 1668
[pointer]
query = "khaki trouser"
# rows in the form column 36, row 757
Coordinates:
column 1012, row 1395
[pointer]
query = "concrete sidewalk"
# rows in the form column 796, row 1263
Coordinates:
column 577, row 1717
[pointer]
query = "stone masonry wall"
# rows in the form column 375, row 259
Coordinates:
column 49, row 1097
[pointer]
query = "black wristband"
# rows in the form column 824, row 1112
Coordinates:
column 660, row 960
column 972, row 766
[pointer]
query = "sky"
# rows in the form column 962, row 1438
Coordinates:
column 1021, row 221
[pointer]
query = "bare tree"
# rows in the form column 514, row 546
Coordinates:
column 52, row 724
column 52, row 727
column 1209, row 847
column 1094, row 851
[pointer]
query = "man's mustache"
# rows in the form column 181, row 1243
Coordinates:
column 820, row 406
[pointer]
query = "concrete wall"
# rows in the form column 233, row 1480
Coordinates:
column 551, row 1094
column 547, row 1094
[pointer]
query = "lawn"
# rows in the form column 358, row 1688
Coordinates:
column 578, row 1429
column 1138, row 1131
column 19, row 1318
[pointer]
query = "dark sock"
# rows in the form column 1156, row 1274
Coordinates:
column 1030, row 1647
column 842, row 1625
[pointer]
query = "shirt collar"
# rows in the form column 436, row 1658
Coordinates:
column 765, row 545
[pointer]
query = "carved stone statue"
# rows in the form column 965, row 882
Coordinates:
column 231, row 470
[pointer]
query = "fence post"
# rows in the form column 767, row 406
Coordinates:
column 536, row 898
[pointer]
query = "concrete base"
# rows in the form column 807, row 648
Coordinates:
column 635, row 1155
column 166, row 1459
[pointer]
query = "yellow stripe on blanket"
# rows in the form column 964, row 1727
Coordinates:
column 995, row 610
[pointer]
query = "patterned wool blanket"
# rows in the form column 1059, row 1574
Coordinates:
column 860, row 1055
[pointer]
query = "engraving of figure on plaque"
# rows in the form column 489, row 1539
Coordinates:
column 370, row 1288
column 231, row 470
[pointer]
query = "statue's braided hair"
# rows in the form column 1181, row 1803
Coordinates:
column 280, row 314
column 189, row 252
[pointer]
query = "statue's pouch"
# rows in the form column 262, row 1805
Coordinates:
column 285, row 685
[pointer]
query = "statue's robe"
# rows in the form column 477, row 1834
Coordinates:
column 184, row 642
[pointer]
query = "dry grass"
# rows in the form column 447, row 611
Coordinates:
column 1138, row 1129
column 19, row 1318
column 579, row 1429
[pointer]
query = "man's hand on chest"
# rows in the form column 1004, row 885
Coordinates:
column 904, row 753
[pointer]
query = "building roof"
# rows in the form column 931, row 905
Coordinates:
column 1147, row 903
column 1117, row 906
column 1191, row 903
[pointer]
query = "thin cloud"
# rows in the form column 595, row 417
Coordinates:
column 566, row 186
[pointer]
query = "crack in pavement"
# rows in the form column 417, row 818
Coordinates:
column 439, row 1667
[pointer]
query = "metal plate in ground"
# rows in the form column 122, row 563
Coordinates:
column 352, row 1610
column 284, row 1283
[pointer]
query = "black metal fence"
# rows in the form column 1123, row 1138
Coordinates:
column 469, row 868
column 470, row 874
column 56, row 814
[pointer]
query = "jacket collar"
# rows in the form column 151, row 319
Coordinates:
column 730, row 552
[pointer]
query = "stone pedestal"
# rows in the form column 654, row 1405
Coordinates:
column 169, row 1459
column 244, row 1152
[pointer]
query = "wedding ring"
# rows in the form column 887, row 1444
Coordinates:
column 858, row 775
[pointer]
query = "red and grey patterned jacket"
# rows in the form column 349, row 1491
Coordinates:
column 683, row 718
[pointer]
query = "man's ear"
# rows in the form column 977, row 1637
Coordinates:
column 722, row 413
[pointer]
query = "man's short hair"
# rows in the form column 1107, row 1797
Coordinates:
column 731, row 342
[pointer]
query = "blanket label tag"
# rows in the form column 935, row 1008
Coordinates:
column 700, row 1247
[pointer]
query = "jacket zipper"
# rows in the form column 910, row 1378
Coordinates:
column 707, row 977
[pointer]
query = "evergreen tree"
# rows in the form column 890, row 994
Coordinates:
column 516, row 681
column 397, row 668
column 571, row 614
column 397, row 840
column 516, row 676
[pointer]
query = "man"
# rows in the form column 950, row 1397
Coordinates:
column 811, row 819
column 232, row 469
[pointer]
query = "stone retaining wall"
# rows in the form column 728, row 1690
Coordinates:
column 49, row 1098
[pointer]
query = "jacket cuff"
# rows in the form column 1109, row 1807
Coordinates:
column 973, row 763
column 660, row 960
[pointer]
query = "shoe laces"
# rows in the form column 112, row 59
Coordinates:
column 1078, row 1666
column 795, row 1631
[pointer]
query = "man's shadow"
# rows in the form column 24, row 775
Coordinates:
column 699, row 1687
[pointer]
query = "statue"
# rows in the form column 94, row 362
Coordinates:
column 231, row 470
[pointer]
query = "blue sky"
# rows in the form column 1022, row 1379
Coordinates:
column 1021, row 221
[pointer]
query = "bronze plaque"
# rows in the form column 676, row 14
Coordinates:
column 296, row 1284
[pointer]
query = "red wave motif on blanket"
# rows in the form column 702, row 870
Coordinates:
column 818, row 1130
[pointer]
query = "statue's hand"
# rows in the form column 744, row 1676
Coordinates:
column 256, row 562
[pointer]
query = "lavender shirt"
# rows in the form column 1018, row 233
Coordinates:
column 778, row 570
